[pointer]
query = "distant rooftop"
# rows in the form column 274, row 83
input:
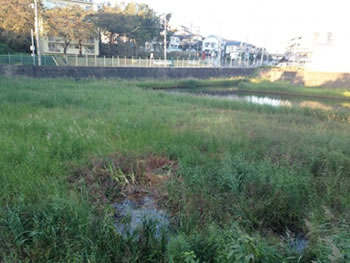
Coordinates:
column 74, row 1
column 81, row 1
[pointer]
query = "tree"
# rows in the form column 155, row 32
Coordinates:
column 16, row 22
column 72, row 23
column 16, row 16
column 132, row 24
column 111, row 23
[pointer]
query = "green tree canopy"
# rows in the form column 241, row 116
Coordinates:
column 137, row 22
column 70, row 23
column 16, row 21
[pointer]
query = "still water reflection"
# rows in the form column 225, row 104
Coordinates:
column 269, row 99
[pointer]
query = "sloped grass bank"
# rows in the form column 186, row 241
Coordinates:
column 248, row 178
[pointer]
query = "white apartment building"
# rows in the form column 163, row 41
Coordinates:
column 51, row 45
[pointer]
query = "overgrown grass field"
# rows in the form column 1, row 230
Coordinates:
column 248, row 179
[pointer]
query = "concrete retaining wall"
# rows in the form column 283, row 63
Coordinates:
column 123, row 72
column 298, row 77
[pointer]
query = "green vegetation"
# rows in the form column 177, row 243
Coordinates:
column 251, row 85
column 4, row 49
column 188, row 83
column 242, row 179
column 129, row 24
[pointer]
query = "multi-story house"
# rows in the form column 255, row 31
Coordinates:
column 300, row 48
column 213, row 46
column 320, row 51
column 174, row 44
column 184, row 39
column 55, row 45
column 85, row 4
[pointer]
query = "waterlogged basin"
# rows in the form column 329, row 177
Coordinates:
column 299, row 243
column 131, row 216
column 267, row 99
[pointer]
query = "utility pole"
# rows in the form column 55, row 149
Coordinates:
column 198, row 39
column 165, row 34
column 262, row 57
column 219, row 51
column 37, row 31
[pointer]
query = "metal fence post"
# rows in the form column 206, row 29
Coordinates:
column 112, row 61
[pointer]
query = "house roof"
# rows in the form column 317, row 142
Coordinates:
column 233, row 43
column 215, row 36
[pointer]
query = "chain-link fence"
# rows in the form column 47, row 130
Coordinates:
column 25, row 59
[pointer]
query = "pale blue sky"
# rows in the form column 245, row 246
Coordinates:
column 263, row 22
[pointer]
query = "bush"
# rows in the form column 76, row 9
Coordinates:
column 4, row 49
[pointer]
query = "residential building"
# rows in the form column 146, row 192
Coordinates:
column 239, row 53
column 55, row 45
column 85, row 4
column 185, row 39
column 213, row 46
column 300, row 49
column 233, row 49
column 174, row 44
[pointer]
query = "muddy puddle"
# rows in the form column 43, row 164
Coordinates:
column 130, row 216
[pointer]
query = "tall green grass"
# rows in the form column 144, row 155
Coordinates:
column 247, row 175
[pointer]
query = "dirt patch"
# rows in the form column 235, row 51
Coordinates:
column 121, row 177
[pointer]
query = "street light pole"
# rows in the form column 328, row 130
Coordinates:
column 37, row 31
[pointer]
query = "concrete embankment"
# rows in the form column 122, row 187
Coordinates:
column 125, row 72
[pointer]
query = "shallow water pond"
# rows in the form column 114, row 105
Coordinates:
column 268, row 99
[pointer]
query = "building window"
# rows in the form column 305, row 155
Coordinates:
column 54, row 48
column 90, row 50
